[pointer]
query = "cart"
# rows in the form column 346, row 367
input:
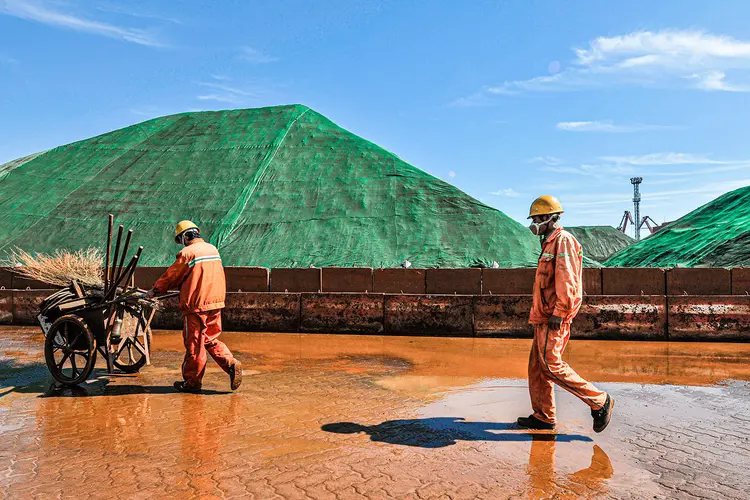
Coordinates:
column 80, row 322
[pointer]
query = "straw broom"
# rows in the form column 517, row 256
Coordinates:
column 59, row 268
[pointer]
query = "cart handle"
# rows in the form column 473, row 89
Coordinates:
column 159, row 297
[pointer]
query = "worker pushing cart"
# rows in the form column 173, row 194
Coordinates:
column 199, row 274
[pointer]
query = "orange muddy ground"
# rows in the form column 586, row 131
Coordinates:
column 334, row 416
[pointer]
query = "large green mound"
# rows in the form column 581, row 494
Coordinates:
column 716, row 235
column 600, row 242
column 278, row 187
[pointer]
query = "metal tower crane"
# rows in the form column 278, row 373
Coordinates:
column 623, row 227
column 651, row 229
column 636, row 182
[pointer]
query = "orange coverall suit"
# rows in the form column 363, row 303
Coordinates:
column 200, row 275
column 558, row 291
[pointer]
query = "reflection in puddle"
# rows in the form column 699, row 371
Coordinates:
column 544, row 481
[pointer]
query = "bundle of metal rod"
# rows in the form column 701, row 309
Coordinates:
column 124, row 276
column 116, row 274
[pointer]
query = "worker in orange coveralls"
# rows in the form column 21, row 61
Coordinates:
column 199, row 274
column 557, row 298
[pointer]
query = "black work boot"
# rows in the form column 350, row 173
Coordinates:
column 182, row 386
column 531, row 422
column 603, row 415
column 235, row 375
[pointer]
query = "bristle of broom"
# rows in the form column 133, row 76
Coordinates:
column 59, row 268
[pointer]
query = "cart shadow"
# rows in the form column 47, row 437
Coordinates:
column 104, row 389
column 33, row 378
column 444, row 431
column 100, row 384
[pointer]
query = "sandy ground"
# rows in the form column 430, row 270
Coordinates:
column 334, row 416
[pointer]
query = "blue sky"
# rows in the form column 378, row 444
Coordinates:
column 506, row 100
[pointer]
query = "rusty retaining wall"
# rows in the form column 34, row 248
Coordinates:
column 624, row 316
column 644, row 317
column 709, row 317
column 684, row 304
column 470, row 281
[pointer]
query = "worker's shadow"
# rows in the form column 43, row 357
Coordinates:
column 442, row 431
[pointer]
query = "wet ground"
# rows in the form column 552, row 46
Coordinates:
column 333, row 416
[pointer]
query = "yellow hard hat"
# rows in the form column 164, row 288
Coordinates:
column 545, row 205
column 183, row 226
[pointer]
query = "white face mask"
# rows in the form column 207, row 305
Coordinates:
column 540, row 228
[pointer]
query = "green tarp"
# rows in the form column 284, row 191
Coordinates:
column 715, row 235
column 276, row 187
column 600, row 242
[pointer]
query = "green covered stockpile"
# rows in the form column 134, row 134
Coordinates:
column 600, row 242
column 276, row 187
column 715, row 235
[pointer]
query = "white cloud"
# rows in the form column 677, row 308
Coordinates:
column 477, row 99
column 605, row 126
column 547, row 160
column 229, row 98
column 37, row 11
column 704, row 171
column 666, row 58
column 226, row 93
column 614, row 168
column 510, row 193
column 666, row 159
column 646, row 48
column 254, row 56
column 134, row 12
column 716, row 80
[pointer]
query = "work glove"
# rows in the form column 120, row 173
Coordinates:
column 555, row 322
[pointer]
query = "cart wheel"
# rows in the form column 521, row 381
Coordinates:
column 130, row 356
column 70, row 350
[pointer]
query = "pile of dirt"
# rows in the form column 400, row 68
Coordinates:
column 277, row 187
column 600, row 242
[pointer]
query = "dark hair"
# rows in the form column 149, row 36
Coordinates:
column 190, row 235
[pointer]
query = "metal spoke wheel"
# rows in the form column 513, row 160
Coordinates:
column 130, row 352
column 70, row 350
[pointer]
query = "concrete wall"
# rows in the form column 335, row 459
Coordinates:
column 653, row 304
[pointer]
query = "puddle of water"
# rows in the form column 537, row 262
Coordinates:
column 694, row 363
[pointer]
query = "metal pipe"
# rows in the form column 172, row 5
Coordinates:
column 109, row 249
column 125, row 274
column 124, row 253
column 129, row 274
column 117, row 253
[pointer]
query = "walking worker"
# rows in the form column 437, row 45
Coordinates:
column 199, row 274
column 558, row 293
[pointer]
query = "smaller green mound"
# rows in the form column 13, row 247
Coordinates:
column 600, row 242
column 714, row 235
